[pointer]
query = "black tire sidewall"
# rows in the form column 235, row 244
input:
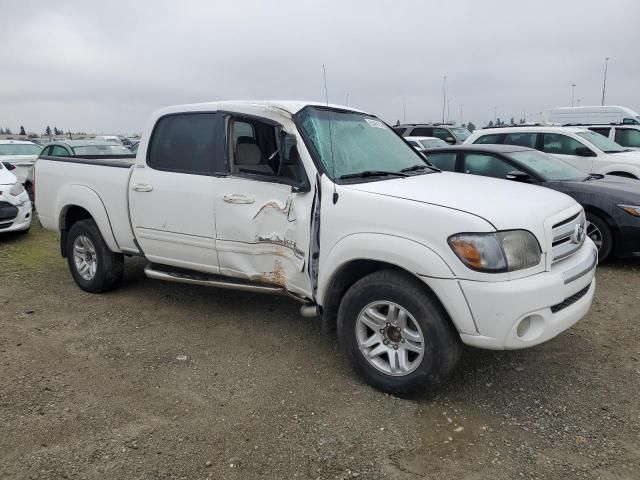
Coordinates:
column 442, row 348
column 607, row 236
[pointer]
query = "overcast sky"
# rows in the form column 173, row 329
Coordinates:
column 104, row 66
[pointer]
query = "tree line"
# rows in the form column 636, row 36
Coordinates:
column 48, row 131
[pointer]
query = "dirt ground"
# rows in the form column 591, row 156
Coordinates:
column 161, row 380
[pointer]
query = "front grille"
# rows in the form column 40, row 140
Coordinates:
column 563, row 233
column 5, row 225
column 7, row 211
column 570, row 300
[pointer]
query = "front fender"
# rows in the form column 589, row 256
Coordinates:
column 84, row 197
column 407, row 254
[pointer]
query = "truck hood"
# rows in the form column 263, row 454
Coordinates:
column 18, row 158
column 632, row 156
column 504, row 204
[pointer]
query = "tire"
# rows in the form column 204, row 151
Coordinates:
column 102, row 275
column 600, row 232
column 424, row 316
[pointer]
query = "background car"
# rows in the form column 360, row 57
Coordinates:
column 627, row 136
column 425, row 142
column 134, row 146
column 611, row 203
column 84, row 148
column 448, row 133
column 22, row 155
column 579, row 146
column 15, row 206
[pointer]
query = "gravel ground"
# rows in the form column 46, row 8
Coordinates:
column 161, row 380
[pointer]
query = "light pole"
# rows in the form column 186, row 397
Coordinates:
column 404, row 109
column 604, row 82
column 444, row 95
column 578, row 100
column 347, row 99
column 448, row 110
column 573, row 93
column 495, row 114
column 460, row 114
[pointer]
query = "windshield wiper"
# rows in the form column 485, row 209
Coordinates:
column 418, row 166
column 617, row 151
column 593, row 176
column 372, row 173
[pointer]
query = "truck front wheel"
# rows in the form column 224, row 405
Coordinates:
column 396, row 334
column 94, row 267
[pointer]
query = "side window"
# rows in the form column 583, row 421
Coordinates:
column 628, row 137
column 399, row 130
column 257, row 150
column 58, row 151
column 492, row 138
column 442, row 134
column 523, row 139
column 414, row 144
column 46, row 152
column 486, row 165
column 444, row 161
column 601, row 131
column 559, row 144
column 186, row 143
column 422, row 132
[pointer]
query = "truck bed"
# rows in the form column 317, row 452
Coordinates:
column 96, row 182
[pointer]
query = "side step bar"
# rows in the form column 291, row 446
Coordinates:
column 161, row 272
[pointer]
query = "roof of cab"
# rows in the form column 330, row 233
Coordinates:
column 290, row 106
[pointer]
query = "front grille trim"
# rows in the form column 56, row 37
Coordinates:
column 567, row 302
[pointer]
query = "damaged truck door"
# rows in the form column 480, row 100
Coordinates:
column 262, row 209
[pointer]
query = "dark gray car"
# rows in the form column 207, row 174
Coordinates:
column 611, row 203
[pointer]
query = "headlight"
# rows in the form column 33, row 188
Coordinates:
column 631, row 209
column 16, row 189
column 497, row 252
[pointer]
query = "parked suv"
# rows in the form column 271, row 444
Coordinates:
column 579, row 146
column 627, row 136
column 450, row 134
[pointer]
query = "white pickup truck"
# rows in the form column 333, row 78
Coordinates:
column 330, row 206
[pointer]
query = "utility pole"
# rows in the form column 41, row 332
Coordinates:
column 573, row 93
column 444, row 95
column 347, row 99
column 495, row 114
column 448, row 110
column 404, row 109
column 460, row 114
column 604, row 83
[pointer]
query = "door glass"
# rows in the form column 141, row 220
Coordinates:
column 59, row 151
column 628, row 137
column 444, row 161
column 523, row 139
column 486, row 165
column 186, row 143
column 555, row 143
column 602, row 131
column 442, row 134
column 422, row 132
column 486, row 139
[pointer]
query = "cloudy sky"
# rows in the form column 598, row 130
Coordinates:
column 104, row 66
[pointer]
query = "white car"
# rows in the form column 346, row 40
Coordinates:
column 15, row 207
column 579, row 146
column 627, row 136
column 22, row 155
column 426, row 142
column 327, row 205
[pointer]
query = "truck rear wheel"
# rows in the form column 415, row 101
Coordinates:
column 94, row 267
column 396, row 334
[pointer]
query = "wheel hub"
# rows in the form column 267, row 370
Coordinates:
column 389, row 338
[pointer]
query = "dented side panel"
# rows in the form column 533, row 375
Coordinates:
column 265, row 237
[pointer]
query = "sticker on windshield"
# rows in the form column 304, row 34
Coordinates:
column 374, row 123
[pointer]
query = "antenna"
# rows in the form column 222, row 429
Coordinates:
column 333, row 165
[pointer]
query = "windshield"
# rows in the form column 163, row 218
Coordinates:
column 548, row 167
column 101, row 150
column 461, row 133
column 433, row 142
column 602, row 142
column 360, row 143
column 20, row 149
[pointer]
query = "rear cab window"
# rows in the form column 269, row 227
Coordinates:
column 443, row 160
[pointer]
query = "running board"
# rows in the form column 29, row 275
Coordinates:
column 161, row 272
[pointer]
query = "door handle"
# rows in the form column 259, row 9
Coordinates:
column 142, row 187
column 238, row 198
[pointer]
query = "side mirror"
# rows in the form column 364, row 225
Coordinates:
column 303, row 186
column 450, row 140
column 518, row 176
column 9, row 166
column 584, row 152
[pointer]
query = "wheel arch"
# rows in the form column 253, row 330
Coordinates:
column 81, row 203
column 359, row 255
